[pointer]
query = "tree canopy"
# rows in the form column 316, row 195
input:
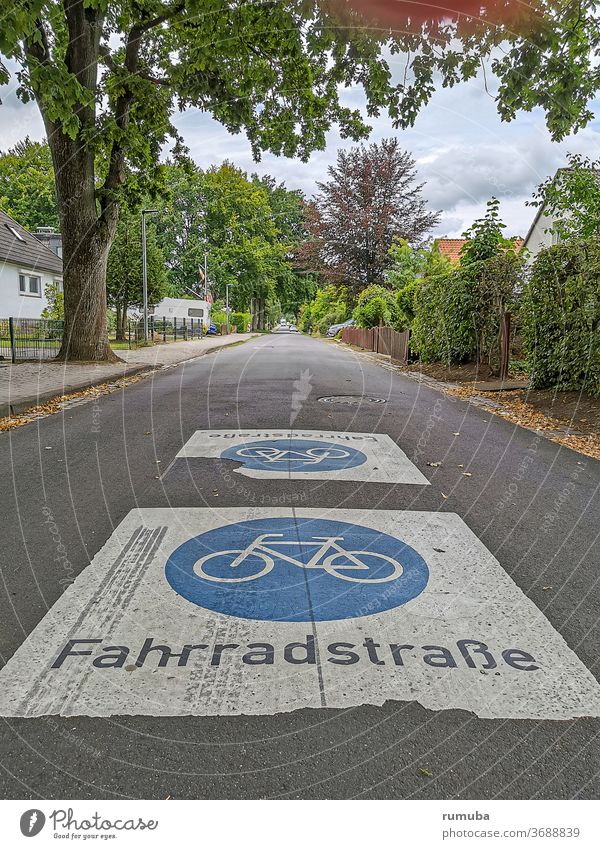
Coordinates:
column 107, row 77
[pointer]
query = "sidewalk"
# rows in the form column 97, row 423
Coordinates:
column 26, row 385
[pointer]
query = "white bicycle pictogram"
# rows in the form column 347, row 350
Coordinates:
column 328, row 552
column 311, row 456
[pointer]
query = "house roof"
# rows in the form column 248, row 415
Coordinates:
column 19, row 247
column 451, row 248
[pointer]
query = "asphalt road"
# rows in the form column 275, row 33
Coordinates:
column 88, row 466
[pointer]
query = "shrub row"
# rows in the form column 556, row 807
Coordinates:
column 560, row 313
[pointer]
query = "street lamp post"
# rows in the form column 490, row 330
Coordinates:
column 145, row 212
column 227, row 285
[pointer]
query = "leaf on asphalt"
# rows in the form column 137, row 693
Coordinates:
column 467, row 474
column 441, row 550
column 425, row 772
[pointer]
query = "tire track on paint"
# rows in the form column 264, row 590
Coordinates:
column 35, row 692
column 137, row 547
column 125, row 590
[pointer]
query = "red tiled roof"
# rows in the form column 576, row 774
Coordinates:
column 451, row 248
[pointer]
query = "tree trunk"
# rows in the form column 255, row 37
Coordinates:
column 121, row 322
column 86, row 243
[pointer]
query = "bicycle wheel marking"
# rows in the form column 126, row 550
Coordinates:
column 122, row 641
column 307, row 455
column 351, row 570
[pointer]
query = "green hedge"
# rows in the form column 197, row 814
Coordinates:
column 241, row 320
column 561, row 317
column 458, row 311
column 442, row 329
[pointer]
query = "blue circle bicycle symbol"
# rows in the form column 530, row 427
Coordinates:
column 295, row 455
column 296, row 570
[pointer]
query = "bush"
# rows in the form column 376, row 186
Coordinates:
column 327, row 308
column 334, row 317
column 241, row 320
column 561, row 317
column 218, row 317
column 376, row 305
column 458, row 312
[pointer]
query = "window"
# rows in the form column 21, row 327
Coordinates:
column 15, row 233
column 30, row 285
column 194, row 313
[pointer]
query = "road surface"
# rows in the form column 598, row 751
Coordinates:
column 463, row 673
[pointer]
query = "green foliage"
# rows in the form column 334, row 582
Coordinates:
column 442, row 329
column 458, row 311
column 241, row 320
column 409, row 266
column 484, row 237
column 218, row 317
column 405, row 303
column 328, row 307
column 572, row 199
column 561, row 317
column 376, row 305
column 124, row 272
column 408, row 263
column 27, row 190
column 56, row 302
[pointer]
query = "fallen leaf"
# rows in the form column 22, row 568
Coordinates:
column 441, row 550
column 467, row 474
column 425, row 772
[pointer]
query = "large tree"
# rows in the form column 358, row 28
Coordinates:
column 371, row 198
column 107, row 75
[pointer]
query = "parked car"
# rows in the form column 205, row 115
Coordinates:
column 293, row 328
column 335, row 328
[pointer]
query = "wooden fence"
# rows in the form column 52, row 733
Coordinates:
column 381, row 340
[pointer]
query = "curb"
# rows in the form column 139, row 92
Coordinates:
column 24, row 404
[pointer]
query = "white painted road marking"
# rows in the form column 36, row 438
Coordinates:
column 143, row 631
column 307, row 454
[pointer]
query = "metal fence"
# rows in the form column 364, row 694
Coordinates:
column 30, row 338
column 41, row 338
column 381, row 340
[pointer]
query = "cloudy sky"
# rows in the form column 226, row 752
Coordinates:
column 465, row 154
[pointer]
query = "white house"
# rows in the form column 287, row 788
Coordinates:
column 27, row 267
column 540, row 234
column 179, row 308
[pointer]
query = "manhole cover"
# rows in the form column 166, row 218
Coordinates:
column 351, row 400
